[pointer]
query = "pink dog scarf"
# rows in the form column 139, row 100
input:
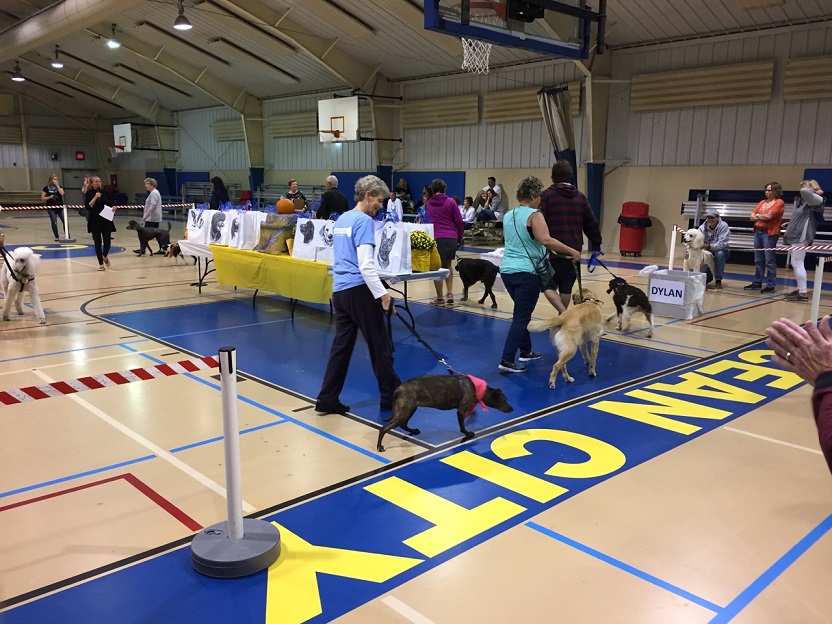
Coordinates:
column 479, row 391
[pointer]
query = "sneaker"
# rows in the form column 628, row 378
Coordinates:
column 449, row 298
column 322, row 407
column 796, row 296
column 437, row 302
column 718, row 285
column 529, row 357
column 710, row 286
column 511, row 367
column 767, row 289
column 752, row 287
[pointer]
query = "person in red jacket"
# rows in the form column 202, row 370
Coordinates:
column 807, row 352
column 569, row 216
column 448, row 229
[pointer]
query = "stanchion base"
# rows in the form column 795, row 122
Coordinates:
column 63, row 241
column 214, row 554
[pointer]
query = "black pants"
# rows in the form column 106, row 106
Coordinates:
column 102, row 244
column 153, row 224
column 356, row 309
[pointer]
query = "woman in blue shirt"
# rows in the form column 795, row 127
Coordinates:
column 360, row 301
column 526, row 241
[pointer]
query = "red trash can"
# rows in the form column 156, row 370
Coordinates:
column 634, row 221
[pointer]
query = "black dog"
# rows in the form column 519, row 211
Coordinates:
column 628, row 299
column 162, row 237
column 442, row 392
column 473, row 270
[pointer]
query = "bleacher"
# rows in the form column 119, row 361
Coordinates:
column 270, row 193
column 736, row 214
column 200, row 192
column 20, row 198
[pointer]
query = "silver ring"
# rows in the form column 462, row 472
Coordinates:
column 788, row 355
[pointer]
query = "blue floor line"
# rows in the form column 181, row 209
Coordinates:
column 79, row 475
column 627, row 568
column 220, row 438
column 772, row 574
column 76, row 350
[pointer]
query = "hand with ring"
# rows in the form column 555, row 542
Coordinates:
column 805, row 351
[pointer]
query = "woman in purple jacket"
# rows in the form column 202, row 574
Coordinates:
column 448, row 229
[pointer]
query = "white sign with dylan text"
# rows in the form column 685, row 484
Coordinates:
column 665, row 291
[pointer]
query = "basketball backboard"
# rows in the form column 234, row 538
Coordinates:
column 338, row 119
column 123, row 135
column 561, row 28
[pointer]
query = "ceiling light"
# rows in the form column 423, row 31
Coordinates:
column 113, row 42
column 181, row 22
column 16, row 75
column 57, row 63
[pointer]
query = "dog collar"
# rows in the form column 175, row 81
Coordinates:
column 479, row 392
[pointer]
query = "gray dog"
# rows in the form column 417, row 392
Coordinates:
column 162, row 237
column 442, row 392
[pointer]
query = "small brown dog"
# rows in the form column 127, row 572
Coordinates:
column 572, row 330
column 441, row 392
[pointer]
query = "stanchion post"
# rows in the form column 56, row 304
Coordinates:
column 240, row 546
column 672, row 248
column 817, row 286
column 66, row 238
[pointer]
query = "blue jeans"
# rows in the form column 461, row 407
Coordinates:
column 765, row 262
column 524, row 290
column 54, row 215
column 720, row 258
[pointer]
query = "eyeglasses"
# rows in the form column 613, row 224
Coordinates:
column 768, row 191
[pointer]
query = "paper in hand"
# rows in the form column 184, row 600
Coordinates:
column 107, row 212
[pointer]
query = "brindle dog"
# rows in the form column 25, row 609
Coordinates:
column 441, row 392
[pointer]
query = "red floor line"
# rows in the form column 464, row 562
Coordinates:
column 756, row 305
column 133, row 480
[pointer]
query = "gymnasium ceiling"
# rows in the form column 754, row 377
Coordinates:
column 240, row 49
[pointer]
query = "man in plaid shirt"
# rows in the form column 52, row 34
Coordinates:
column 569, row 216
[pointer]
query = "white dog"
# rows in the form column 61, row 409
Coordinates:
column 695, row 256
column 24, row 263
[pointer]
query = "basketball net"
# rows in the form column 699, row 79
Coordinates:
column 115, row 150
column 476, row 53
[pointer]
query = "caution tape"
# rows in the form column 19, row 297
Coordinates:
column 108, row 380
column 76, row 206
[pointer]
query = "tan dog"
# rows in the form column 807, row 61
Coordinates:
column 695, row 254
column 572, row 330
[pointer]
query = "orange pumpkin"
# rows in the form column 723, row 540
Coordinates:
column 285, row 206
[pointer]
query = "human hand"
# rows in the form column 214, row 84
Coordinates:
column 807, row 352
column 387, row 304
column 97, row 195
column 576, row 256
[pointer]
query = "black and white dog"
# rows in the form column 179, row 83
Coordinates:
column 628, row 300
column 162, row 237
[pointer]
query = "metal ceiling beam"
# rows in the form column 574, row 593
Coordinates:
column 58, row 21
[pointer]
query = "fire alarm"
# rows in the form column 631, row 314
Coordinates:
column 79, row 155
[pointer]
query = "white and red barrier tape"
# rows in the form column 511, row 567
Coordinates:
column 60, row 388
column 76, row 206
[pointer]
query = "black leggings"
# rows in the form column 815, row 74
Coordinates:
column 102, row 245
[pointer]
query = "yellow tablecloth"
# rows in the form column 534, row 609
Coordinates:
column 303, row 280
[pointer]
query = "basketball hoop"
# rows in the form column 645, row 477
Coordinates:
column 115, row 150
column 476, row 53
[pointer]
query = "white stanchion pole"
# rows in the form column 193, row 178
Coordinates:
column 672, row 248
column 66, row 239
column 240, row 546
column 231, row 433
column 817, row 286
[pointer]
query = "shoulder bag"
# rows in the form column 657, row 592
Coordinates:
column 542, row 267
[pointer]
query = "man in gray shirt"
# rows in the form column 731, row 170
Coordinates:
column 717, row 240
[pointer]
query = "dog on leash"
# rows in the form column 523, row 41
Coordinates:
column 572, row 330
column 628, row 300
column 21, row 279
column 473, row 270
column 175, row 252
column 444, row 392
column 695, row 255
column 162, row 237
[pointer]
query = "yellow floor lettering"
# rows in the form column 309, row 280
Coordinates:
column 649, row 414
column 695, row 384
column 784, row 380
column 520, row 482
column 454, row 524
column 603, row 458
column 292, row 594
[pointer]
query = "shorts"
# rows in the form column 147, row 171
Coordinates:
column 447, row 249
column 565, row 276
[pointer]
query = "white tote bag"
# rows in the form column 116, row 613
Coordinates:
column 392, row 253
column 199, row 222
column 310, row 235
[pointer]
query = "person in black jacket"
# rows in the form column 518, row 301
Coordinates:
column 332, row 200
column 100, row 228
column 53, row 196
column 219, row 195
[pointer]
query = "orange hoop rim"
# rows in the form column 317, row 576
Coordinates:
column 335, row 133
column 484, row 9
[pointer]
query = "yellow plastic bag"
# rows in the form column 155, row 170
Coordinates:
column 420, row 260
column 435, row 260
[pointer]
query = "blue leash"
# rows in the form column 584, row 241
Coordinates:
column 594, row 258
